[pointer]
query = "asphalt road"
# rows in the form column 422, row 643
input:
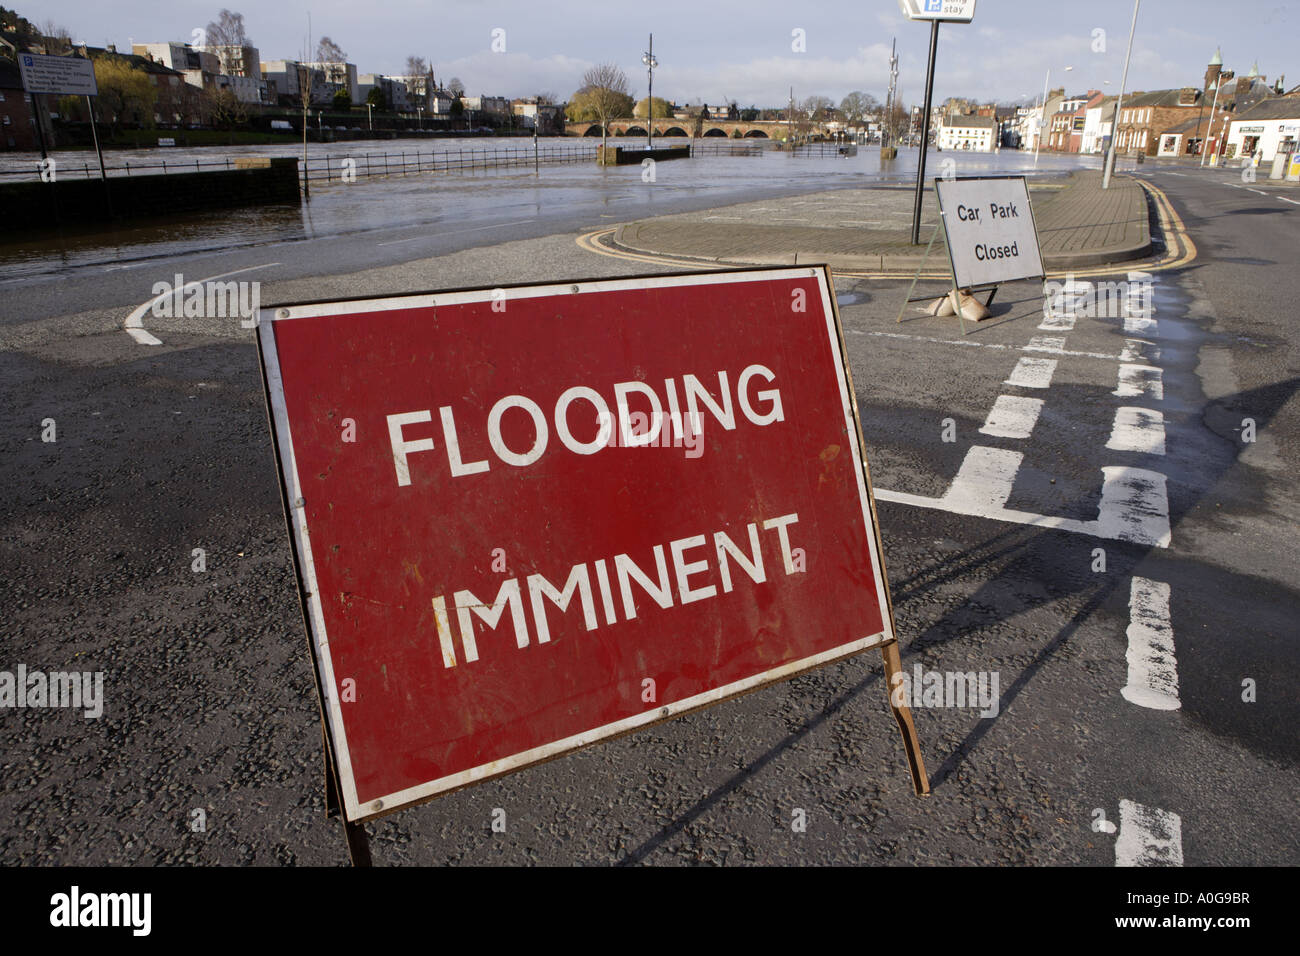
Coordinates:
column 210, row 703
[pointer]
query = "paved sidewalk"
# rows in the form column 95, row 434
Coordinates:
column 869, row 230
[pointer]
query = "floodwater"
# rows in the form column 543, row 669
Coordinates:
column 469, row 197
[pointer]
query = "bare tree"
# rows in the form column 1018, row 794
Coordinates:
column 58, row 41
column 455, row 87
column 227, row 38
column 227, row 30
column 605, row 87
column 416, row 66
column 327, row 51
column 856, row 107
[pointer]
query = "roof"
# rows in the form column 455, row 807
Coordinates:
column 1161, row 98
column 984, row 122
column 1275, row 107
column 1217, row 59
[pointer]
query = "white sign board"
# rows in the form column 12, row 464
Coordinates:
column 57, row 74
column 958, row 11
column 989, row 227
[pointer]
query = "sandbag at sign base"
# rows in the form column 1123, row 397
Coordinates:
column 972, row 309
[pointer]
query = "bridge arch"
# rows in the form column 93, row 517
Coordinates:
column 756, row 134
column 715, row 131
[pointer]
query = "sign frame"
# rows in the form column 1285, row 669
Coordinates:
column 915, row 10
column 943, row 219
column 341, row 789
column 28, row 61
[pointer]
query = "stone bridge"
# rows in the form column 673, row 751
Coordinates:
column 759, row 129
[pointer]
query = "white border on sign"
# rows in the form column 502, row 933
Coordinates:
column 319, row 637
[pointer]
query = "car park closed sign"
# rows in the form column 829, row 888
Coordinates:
column 529, row 519
column 989, row 228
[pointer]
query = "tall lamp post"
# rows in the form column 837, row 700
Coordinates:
column 648, row 58
column 1042, row 124
column 1119, row 102
column 370, row 115
column 1211, row 126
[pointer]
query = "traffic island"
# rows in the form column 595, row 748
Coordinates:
column 1080, row 225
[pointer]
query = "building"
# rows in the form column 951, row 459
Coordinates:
column 1035, row 122
column 1098, row 121
column 203, row 68
column 546, row 119
column 1144, row 116
column 976, row 133
column 284, row 79
column 17, row 125
column 337, row 76
column 1266, row 128
column 1066, row 126
column 243, row 61
column 497, row 105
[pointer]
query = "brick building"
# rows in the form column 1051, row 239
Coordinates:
column 17, row 127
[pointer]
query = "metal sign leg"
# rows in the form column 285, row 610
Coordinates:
column 353, row 833
column 903, row 716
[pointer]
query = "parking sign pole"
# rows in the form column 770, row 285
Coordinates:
column 925, row 134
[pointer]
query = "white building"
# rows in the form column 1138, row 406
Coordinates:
column 283, row 77
column 974, row 133
column 1266, row 127
column 203, row 68
column 337, row 76
column 1097, row 124
column 486, row 104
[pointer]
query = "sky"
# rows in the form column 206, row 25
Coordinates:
column 742, row 50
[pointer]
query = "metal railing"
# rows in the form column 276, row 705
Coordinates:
column 328, row 168
column 822, row 149
column 727, row 149
column 344, row 167
column 90, row 170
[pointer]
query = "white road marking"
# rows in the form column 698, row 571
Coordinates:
column 1260, row 191
column 1148, row 836
column 1152, row 668
column 1046, row 343
column 134, row 325
column 1140, row 325
column 1294, row 202
column 1032, row 373
column 1138, row 429
column 1134, row 350
column 966, row 343
column 456, row 232
column 984, row 481
column 1012, row 416
column 1057, row 322
column 1134, row 504
column 1136, row 381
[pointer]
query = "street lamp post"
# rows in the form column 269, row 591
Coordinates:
column 1119, row 102
column 1042, row 123
column 370, row 115
column 648, row 58
column 1211, row 126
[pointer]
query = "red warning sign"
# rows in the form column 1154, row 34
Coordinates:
column 527, row 519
